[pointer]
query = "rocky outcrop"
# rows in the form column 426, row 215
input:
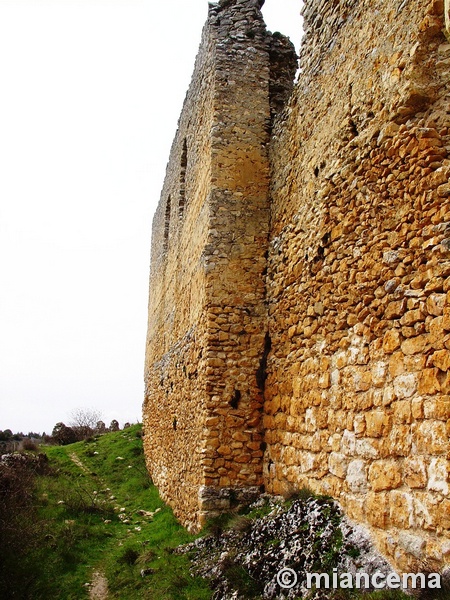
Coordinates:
column 305, row 536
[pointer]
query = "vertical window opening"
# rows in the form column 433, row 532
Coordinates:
column 182, row 200
column 167, row 224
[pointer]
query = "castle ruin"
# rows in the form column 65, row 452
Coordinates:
column 299, row 310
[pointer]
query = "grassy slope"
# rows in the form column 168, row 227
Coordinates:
column 110, row 484
column 89, row 507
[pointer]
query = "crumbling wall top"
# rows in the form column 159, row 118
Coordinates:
column 238, row 3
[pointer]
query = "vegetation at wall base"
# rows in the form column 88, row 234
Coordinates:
column 94, row 509
column 71, row 512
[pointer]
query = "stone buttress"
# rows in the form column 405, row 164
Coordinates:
column 207, row 311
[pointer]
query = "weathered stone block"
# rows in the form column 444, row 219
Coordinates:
column 428, row 382
column 395, row 310
column 398, row 442
column 413, row 544
column 362, row 381
column 377, row 423
column 411, row 317
column 435, row 304
column 359, row 424
column 348, row 443
column 437, row 408
column 415, row 345
column 401, row 510
column 357, row 476
column 367, row 448
column 430, row 437
column 415, row 472
column 436, row 337
column 384, row 475
column 337, row 464
column 441, row 360
column 397, row 364
column 379, row 372
column 402, row 411
column 438, row 475
column 405, row 385
column 378, row 509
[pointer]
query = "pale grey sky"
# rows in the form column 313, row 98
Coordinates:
column 91, row 92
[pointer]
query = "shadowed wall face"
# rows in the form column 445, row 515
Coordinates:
column 175, row 391
column 207, row 312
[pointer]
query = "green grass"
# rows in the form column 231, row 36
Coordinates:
column 91, row 522
column 88, row 516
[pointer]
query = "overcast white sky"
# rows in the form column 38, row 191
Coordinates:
column 90, row 94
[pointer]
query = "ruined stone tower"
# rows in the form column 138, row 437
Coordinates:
column 299, row 313
column 208, row 316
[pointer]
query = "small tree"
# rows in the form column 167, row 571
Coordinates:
column 100, row 427
column 6, row 436
column 21, row 529
column 84, row 421
column 114, row 426
column 63, row 435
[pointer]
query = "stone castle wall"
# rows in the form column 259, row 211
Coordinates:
column 357, row 401
column 299, row 316
column 207, row 311
column 175, row 396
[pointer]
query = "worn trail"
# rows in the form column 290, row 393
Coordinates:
column 99, row 587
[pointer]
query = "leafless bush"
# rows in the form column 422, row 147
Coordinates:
column 84, row 422
column 29, row 445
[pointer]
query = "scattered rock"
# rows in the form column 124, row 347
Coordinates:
column 99, row 587
column 310, row 536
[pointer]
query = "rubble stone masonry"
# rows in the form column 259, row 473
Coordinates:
column 299, row 314
column 207, row 310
